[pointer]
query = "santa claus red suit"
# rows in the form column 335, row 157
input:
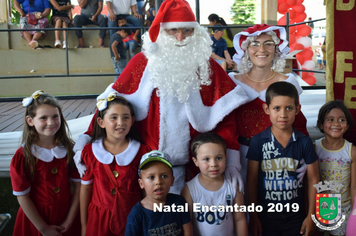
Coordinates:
column 178, row 91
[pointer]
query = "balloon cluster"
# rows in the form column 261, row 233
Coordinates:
column 298, row 35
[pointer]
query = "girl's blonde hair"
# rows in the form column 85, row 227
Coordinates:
column 30, row 135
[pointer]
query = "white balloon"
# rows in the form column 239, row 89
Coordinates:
column 309, row 65
column 305, row 41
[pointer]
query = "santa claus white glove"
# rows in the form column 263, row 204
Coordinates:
column 301, row 170
column 232, row 170
column 78, row 162
column 82, row 140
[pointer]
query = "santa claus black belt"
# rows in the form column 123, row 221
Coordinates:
column 245, row 141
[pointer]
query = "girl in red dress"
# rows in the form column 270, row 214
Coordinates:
column 41, row 171
column 110, row 186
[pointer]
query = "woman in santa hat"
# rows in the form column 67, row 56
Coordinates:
column 260, row 56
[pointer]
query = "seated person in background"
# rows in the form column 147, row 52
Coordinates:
column 117, row 49
column 90, row 14
column 156, row 178
column 61, row 18
column 124, row 8
column 132, row 40
column 220, row 53
column 150, row 13
column 215, row 20
column 41, row 9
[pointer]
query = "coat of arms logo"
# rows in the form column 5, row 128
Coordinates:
column 328, row 206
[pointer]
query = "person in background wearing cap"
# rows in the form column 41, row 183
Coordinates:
column 220, row 53
column 215, row 20
column 147, row 216
column 260, row 57
column 118, row 49
column 179, row 91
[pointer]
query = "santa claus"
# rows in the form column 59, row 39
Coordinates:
column 178, row 91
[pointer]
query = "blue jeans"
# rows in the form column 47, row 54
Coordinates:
column 131, row 46
column 129, row 18
column 139, row 7
column 119, row 66
column 80, row 20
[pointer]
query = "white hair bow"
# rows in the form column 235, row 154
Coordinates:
column 103, row 102
column 27, row 101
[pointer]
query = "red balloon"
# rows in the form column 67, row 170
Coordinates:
column 300, row 17
column 282, row 21
column 307, row 53
column 279, row 1
column 299, row 46
column 293, row 29
column 311, row 80
column 283, row 7
column 300, row 58
column 299, row 8
column 292, row 38
column 291, row 2
column 304, row 30
column 292, row 14
column 304, row 73
column 300, row 1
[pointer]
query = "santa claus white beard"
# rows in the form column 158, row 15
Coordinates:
column 179, row 67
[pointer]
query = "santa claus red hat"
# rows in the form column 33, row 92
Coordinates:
column 172, row 14
column 256, row 30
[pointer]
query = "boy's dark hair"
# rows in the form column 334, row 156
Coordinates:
column 99, row 132
column 206, row 138
column 125, row 29
column 281, row 88
column 327, row 107
column 120, row 17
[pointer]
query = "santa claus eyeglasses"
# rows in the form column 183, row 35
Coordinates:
column 177, row 31
column 268, row 45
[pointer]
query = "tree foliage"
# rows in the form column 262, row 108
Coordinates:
column 244, row 11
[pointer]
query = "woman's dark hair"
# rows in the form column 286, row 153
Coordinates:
column 327, row 107
column 99, row 132
column 220, row 21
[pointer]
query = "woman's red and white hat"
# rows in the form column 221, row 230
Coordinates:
column 256, row 30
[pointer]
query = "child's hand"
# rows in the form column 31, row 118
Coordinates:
column 52, row 230
column 117, row 58
column 255, row 226
column 66, row 226
column 308, row 227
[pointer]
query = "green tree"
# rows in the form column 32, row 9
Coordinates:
column 244, row 11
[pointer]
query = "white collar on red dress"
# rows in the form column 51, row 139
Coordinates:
column 122, row 159
column 47, row 155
